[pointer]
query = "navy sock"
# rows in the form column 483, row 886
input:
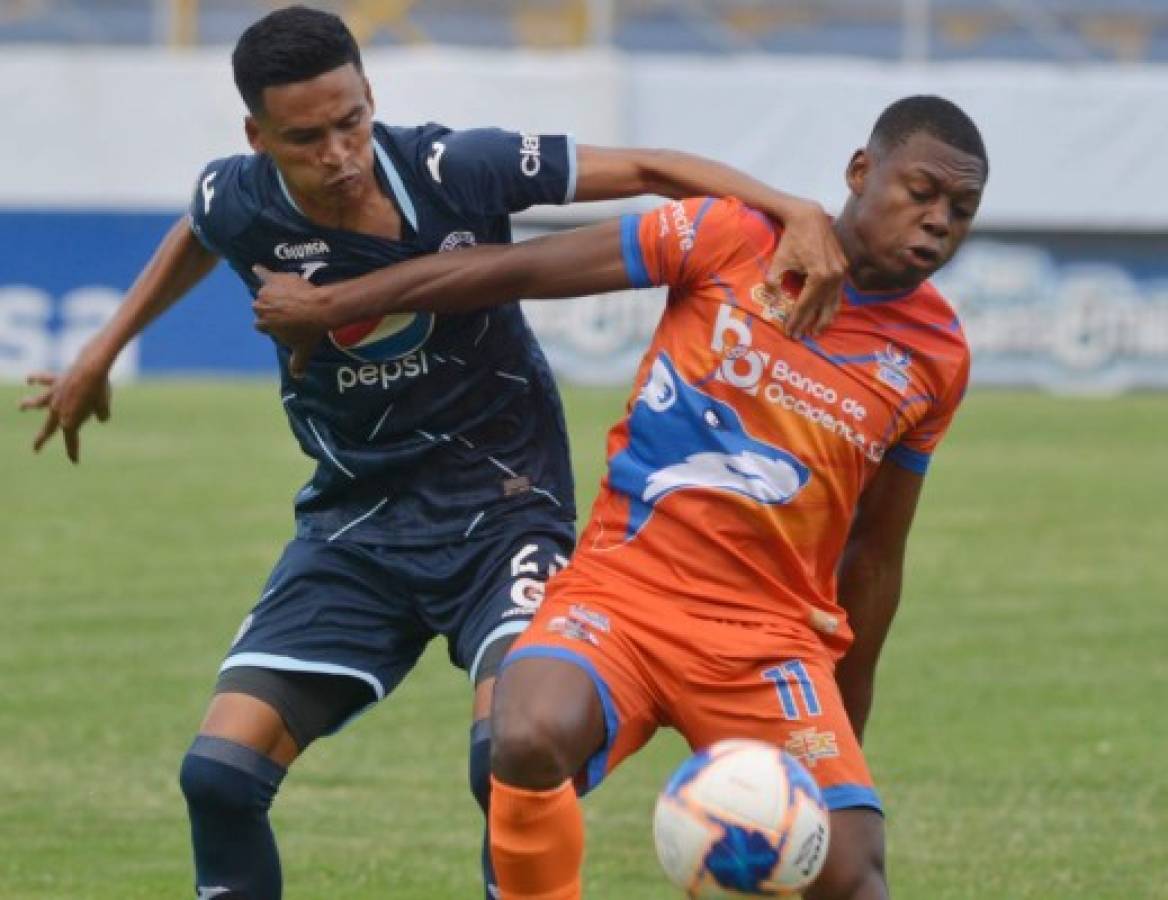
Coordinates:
column 479, row 771
column 229, row 789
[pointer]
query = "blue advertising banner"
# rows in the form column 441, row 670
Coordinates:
column 1083, row 313
column 64, row 273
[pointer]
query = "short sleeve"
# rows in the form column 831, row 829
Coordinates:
column 496, row 172
column 914, row 451
column 685, row 240
column 220, row 208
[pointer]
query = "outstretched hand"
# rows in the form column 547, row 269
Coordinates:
column 808, row 269
column 289, row 309
column 70, row 398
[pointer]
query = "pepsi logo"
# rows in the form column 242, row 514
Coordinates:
column 385, row 338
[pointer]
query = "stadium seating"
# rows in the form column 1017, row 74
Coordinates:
column 1063, row 30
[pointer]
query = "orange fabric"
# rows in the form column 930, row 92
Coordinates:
column 709, row 679
column 537, row 842
column 702, row 594
column 675, row 515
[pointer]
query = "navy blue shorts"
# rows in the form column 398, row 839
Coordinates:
column 368, row 612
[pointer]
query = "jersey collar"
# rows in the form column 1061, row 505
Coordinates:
column 404, row 201
column 396, row 185
column 863, row 298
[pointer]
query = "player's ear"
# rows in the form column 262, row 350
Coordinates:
column 252, row 130
column 857, row 172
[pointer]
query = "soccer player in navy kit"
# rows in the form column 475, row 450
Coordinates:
column 442, row 497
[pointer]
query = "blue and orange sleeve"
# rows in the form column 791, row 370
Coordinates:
column 914, row 451
column 684, row 240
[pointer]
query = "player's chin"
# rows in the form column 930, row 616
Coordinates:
column 345, row 186
column 911, row 268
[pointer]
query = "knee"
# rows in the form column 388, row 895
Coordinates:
column 855, row 862
column 219, row 776
column 546, row 720
column 859, row 877
column 531, row 749
column 209, row 785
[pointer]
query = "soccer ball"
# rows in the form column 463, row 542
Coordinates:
column 741, row 818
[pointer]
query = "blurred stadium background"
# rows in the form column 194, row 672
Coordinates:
column 1020, row 723
column 112, row 106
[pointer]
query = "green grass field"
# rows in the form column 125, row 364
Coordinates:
column 1021, row 709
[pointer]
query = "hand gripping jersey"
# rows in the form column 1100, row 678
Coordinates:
column 733, row 480
column 425, row 428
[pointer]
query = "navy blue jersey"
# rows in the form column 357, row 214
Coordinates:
column 425, row 428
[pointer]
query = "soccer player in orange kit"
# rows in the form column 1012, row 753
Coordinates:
column 743, row 561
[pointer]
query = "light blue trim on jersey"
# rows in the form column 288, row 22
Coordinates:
column 597, row 765
column 850, row 796
column 573, row 168
column 396, row 185
column 287, row 193
column 515, row 626
column 291, row 664
column 908, row 458
column 631, row 251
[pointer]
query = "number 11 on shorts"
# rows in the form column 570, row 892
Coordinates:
column 793, row 684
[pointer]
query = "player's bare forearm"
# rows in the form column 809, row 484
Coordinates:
column 70, row 398
column 609, row 173
column 870, row 574
column 567, row 264
column 809, row 246
column 179, row 263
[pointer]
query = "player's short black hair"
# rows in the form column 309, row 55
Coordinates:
column 289, row 45
column 941, row 118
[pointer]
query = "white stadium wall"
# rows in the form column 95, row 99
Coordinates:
column 1066, row 285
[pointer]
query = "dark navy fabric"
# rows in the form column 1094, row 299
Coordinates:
column 368, row 611
column 425, row 429
column 229, row 790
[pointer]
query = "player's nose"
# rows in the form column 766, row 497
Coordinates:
column 937, row 219
column 333, row 153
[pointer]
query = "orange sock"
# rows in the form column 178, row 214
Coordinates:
column 537, row 842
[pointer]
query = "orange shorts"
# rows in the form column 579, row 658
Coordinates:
column 654, row 664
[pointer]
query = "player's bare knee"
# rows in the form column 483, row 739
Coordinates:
column 861, row 878
column 531, row 748
column 545, row 722
column 854, row 869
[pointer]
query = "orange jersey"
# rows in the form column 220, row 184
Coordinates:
column 734, row 477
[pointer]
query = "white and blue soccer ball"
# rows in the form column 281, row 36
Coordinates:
column 741, row 819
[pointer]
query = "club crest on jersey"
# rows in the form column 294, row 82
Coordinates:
column 383, row 339
column 775, row 307
column 892, row 367
column 681, row 438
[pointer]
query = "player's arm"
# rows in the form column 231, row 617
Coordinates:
column 808, row 246
column 673, row 246
column 83, row 390
column 870, row 575
column 568, row 264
